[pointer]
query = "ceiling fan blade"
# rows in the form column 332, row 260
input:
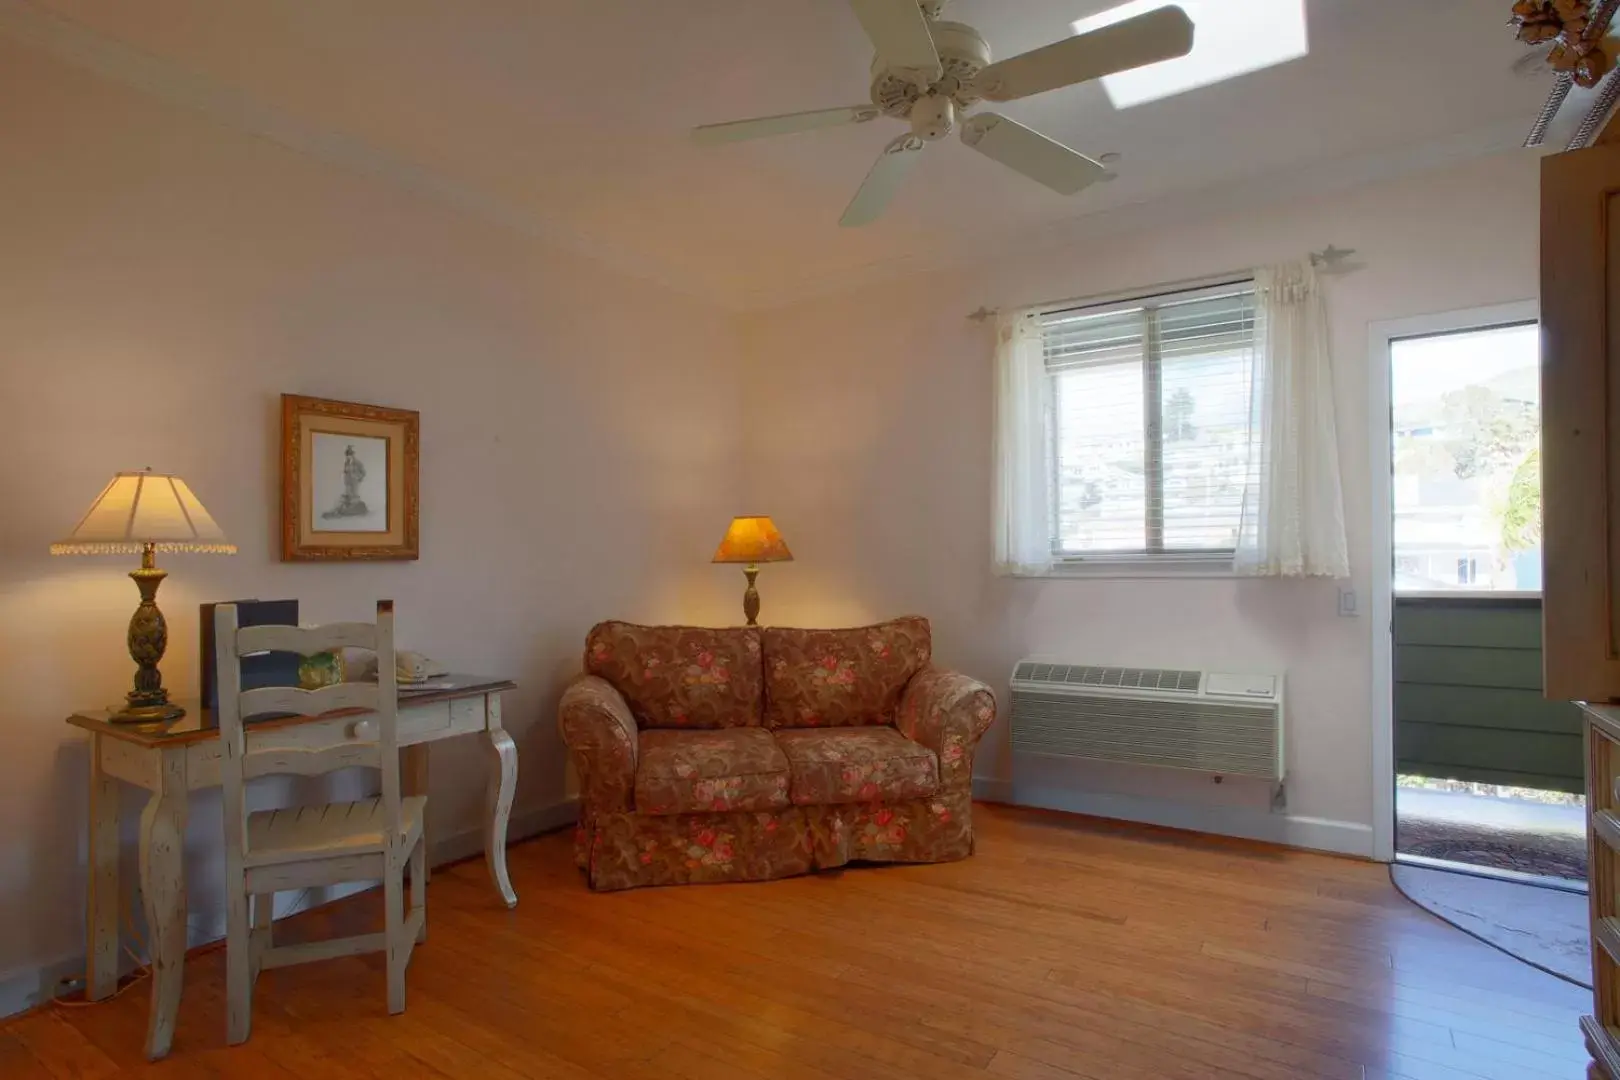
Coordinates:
column 883, row 181
column 786, row 124
column 1025, row 150
column 1162, row 34
column 900, row 34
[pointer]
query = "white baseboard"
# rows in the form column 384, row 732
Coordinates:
column 24, row 988
column 1318, row 834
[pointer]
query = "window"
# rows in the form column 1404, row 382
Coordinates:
column 1465, row 417
column 1149, row 448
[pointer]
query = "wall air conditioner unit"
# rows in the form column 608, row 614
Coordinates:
column 1205, row 721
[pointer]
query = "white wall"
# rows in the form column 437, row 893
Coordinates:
column 163, row 281
column 869, row 440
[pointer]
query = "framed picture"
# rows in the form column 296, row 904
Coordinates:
column 348, row 481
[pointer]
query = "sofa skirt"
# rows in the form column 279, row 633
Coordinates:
column 627, row 850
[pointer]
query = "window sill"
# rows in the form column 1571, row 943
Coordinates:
column 1163, row 566
column 1470, row 596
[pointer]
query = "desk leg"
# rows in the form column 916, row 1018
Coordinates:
column 163, row 885
column 101, row 973
column 498, row 803
column 413, row 780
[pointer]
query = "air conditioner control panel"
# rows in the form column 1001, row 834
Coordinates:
column 1217, row 684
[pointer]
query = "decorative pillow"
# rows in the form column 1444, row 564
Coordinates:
column 833, row 678
column 680, row 676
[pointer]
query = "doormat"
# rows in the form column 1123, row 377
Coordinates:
column 1559, row 855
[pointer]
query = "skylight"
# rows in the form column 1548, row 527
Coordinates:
column 1233, row 37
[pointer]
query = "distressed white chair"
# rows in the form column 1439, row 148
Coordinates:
column 305, row 847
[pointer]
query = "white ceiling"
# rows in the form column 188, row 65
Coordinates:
column 574, row 113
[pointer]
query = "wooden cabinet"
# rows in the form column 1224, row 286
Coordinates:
column 1580, row 441
column 1580, row 426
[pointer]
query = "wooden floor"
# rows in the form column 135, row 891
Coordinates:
column 1065, row 948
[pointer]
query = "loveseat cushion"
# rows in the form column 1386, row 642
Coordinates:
column 856, row 764
column 702, row 772
column 832, row 678
column 681, row 676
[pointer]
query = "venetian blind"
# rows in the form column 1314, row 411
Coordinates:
column 1150, row 450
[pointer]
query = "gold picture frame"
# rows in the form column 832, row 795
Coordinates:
column 349, row 481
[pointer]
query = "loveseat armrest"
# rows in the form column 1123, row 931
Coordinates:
column 947, row 712
column 596, row 724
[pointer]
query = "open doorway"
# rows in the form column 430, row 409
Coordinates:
column 1488, row 772
column 1481, row 791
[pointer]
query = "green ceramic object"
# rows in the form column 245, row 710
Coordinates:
column 320, row 669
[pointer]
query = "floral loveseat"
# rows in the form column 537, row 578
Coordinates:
column 749, row 753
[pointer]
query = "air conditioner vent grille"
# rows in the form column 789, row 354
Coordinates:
column 1164, row 680
column 1229, row 739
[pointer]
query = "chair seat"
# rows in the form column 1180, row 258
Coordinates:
column 856, row 764
column 320, row 832
column 709, row 771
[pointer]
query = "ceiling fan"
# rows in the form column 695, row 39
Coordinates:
column 928, row 71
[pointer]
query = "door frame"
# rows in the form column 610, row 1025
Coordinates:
column 1381, row 604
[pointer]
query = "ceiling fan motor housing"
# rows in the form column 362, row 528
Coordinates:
column 933, row 116
column 963, row 53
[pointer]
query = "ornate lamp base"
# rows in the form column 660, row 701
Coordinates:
column 148, row 701
column 751, row 595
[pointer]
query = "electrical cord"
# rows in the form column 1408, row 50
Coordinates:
column 143, row 967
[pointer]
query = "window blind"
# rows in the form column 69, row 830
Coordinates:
column 1150, row 425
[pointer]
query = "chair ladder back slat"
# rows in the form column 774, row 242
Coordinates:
column 306, row 640
column 300, row 702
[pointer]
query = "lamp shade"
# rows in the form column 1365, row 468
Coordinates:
column 752, row 540
column 140, row 508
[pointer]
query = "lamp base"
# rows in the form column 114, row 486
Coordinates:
column 144, row 714
column 147, row 702
column 751, row 595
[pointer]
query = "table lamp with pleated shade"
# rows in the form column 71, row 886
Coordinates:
column 144, row 513
column 752, row 540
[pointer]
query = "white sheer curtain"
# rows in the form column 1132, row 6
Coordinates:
column 1023, row 488
column 1293, row 514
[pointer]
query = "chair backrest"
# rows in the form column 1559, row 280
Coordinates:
column 370, row 741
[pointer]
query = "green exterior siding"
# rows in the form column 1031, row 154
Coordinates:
column 1468, row 702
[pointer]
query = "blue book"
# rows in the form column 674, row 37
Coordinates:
column 260, row 669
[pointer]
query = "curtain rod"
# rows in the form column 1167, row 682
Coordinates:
column 1330, row 260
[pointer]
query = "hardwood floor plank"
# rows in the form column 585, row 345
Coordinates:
column 1551, row 1056
column 1457, row 1013
column 1015, row 1066
column 63, row 1049
column 16, row 1061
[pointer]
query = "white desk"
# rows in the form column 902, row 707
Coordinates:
column 172, row 759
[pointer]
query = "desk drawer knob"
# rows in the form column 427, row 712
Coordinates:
column 363, row 730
